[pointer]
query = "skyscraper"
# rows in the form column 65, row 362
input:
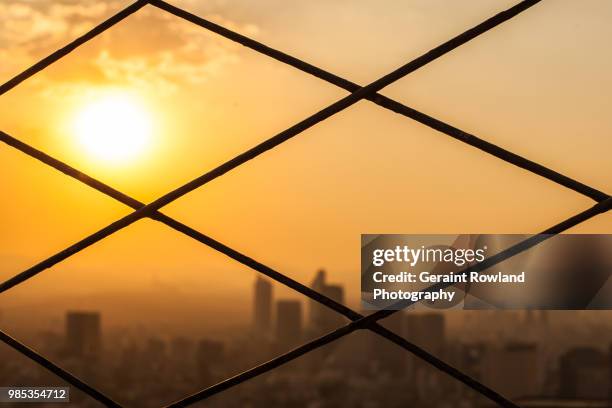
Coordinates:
column 426, row 330
column 288, row 322
column 386, row 354
column 514, row 370
column 584, row 374
column 262, row 308
column 209, row 358
column 317, row 284
column 83, row 334
column 322, row 319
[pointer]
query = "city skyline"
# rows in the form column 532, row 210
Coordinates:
column 524, row 369
column 146, row 315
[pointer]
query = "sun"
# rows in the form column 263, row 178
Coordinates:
column 114, row 127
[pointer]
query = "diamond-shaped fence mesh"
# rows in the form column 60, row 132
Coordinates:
column 357, row 93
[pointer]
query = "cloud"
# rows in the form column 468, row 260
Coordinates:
column 150, row 49
column 34, row 25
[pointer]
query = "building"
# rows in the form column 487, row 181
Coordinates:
column 469, row 357
column 83, row 334
column 181, row 349
column 209, row 359
column 610, row 372
column 317, row 284
column 513, row 370
column 428, row 331
column 322, row 319
column 550, row 402
column 288, row 323
column 387, row 357
column 262, row 308
column 210, row 352
column 584, row 373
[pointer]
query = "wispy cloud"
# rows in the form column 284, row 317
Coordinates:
column 150, row 49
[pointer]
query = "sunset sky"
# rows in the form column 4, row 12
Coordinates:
column 538, row 85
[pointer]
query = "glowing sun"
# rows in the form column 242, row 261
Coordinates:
column 115, row 127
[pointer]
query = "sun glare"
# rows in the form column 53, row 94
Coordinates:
column 115, row 127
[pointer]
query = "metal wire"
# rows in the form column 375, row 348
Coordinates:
column 387, row 103
column 272, row 142
column 62, row 52
column 366, row 322
column 247, row 261
column 55, row 369
column 369, row 92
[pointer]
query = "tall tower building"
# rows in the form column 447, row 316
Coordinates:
column 209, row 358
column 317, row 284
column 428, row 331
column 384, row 353
column 514, row 369
column 432, row 326
column 583, row 373
column 322, row 319
column 288, row 322
column 262, row 307
column 83, row 334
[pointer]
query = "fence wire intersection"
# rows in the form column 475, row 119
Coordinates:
column 357, row 93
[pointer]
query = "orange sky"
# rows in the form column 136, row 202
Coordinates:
column 538, row 85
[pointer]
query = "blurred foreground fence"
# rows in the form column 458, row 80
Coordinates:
column 356, row 93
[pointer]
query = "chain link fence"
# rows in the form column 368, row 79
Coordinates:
column 356, row 93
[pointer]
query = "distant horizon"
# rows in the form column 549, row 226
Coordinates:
column 160, row 159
